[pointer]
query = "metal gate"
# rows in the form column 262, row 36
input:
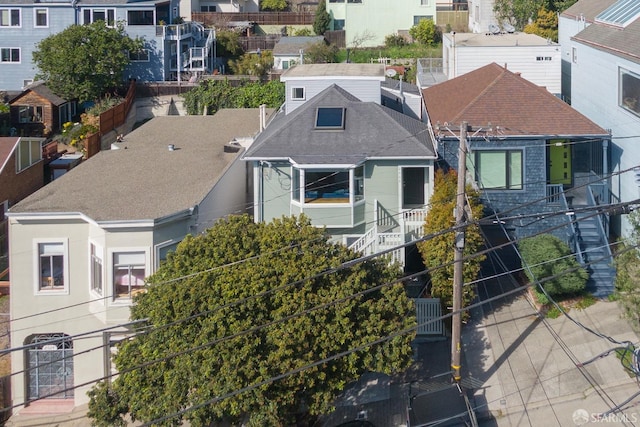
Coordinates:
column 51, row 367
column 427, row 310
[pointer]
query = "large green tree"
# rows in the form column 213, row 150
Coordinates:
column 517, row 12
column 545, row 25
column 438, row 253
column 627, row 264
column 84, row 61
column 254, row 306
column 321, row 53
column 322, row 19
column 211, row 95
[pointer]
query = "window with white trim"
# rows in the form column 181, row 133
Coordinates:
column 9, row 17
column 40, row 17
column 96, row 269
column 93, row 15
column 296, row 92
column 28, row 153
column 140, row 17
column 498, row 169
column 129, row 271
column 52, row 273
column 328, row 186
column 10, row 54
column 629, row 91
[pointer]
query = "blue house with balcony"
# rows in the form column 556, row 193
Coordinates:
column 171, row 52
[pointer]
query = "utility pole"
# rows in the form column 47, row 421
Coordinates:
column 456, row 321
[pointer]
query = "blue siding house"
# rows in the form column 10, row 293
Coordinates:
column 172, row 52
column 533, row 158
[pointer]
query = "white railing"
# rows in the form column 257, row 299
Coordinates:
column 364, row 243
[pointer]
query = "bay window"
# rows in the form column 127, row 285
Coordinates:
column 129, row 270
column 328, row 186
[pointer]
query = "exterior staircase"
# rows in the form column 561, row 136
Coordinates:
column 594, row 246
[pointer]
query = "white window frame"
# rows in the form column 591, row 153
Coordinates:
column 299, row 193
column 33, row 157
column 10, row 9
column 111, row 268
column 293, row 94
column 629, row 100
column 92, row 18
column 35, row 17
column 19, row 61
column 96, row 252
column 37, row 273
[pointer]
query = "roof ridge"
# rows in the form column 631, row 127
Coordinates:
column 480, row 94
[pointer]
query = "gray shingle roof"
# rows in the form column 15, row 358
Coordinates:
column 370, row 131
column 292, row 45
column 588, row 9
column 623, row 42
column 144, row 180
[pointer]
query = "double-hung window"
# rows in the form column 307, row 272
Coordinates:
column 129, row 270
column 96, row 268
column 10, row 54
column 52, row 273
column 28, row 153
column 498, row 169
column 40, row 17
column 9, row 17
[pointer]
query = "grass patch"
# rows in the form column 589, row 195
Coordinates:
column 626, row 358
column 553, row 312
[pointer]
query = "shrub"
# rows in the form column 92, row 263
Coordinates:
column 548, row 259
column 394, row 40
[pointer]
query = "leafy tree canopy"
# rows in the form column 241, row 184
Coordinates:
column 437, row 254
column 276, row 5
column 253, row 64
column 545, row 25
column 84, row 61
column 243, row 304
column 321, row 53
column 628, row 274
column 517, row 12
column 425, row 32
column 228, row 43
column 545, row 256
column 322, row 19
column 212, row 95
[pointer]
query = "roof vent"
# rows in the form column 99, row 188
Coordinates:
column 171, row 147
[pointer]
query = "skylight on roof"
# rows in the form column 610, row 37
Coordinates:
column 621, row 13
column 330, row 118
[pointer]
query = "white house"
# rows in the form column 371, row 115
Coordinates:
column 481, row 15
column 605, row 84
column 81, row 247
column 289, row 51
column 535, row 58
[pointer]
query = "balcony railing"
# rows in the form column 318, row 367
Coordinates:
column 260, row 18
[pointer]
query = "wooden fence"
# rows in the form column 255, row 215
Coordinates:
column 260, row 18
column 116, row 116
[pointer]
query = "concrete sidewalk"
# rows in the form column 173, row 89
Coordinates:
column 529, row 367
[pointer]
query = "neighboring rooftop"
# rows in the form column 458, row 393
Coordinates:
column 587, row 9
column 292, row 45
column 143, row 179
column 495, row 97
column 496, row 40
column 43, row 90
column 369, row 131
column 623, row 42
column 340, row 70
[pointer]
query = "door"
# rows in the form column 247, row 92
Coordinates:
column 413, row 187
column 559, row 162
column 50, row 365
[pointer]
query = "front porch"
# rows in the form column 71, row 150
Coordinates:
column 391, row 231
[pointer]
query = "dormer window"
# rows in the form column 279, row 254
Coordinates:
column 296, row 92
column 330, row 118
